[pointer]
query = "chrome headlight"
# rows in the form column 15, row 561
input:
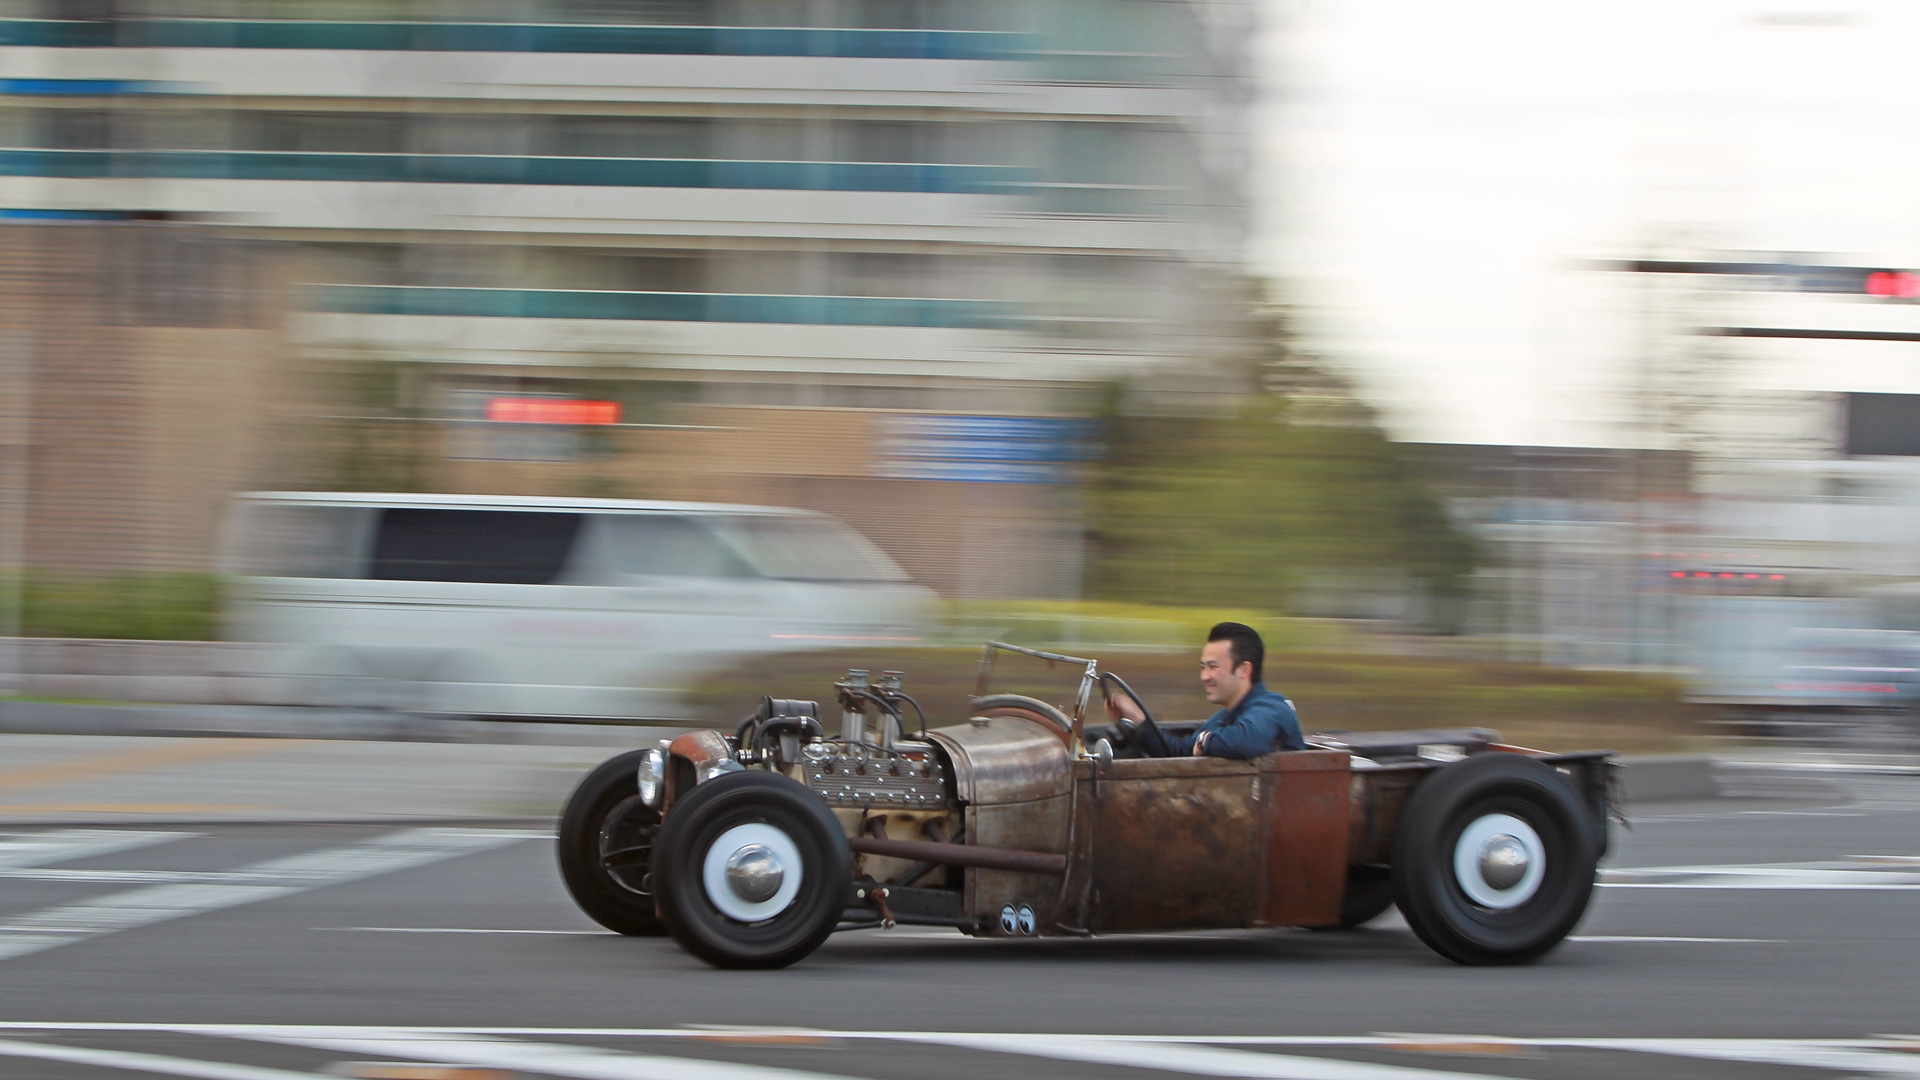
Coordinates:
column 653, row 769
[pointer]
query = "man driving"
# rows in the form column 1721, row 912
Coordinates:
column 1252, row 720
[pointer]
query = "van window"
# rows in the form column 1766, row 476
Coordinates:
column 668, row 546
column 508, row 547
column 803, row 548
column 291, row 540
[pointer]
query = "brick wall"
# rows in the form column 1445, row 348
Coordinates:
column 144, row 369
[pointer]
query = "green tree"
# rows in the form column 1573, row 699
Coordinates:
column 1244, row 509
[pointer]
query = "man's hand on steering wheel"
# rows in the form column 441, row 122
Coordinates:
column 1121, row 707
column 1124, row 708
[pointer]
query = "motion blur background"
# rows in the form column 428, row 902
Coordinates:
column 1542, row 368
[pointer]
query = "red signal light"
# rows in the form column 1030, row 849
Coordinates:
column 1895, row 284
column 506, row 410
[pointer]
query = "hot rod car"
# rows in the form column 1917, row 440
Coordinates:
column 751, row 848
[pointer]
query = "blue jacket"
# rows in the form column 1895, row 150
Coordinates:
column 1262, row 723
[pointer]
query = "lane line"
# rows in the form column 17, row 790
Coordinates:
column 554, row 1059
column 1893, row 873
column 23, row 850
column 134, row 1061
column 1764, row 886
column 1617, row 938
column 461, row 930
column 65, row 924
column 1194, row 1060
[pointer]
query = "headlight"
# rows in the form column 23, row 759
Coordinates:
column 653, row 769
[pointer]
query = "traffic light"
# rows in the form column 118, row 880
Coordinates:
column 1894, row 284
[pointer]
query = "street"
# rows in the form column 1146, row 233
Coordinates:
column 299, row 948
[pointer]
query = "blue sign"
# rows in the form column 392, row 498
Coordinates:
column 985, row 449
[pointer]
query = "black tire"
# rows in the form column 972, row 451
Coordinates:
column 1484, row 793
column 1369, row 895
column 687, row 842
column 606, row 848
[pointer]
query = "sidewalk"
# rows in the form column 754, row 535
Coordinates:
column 67, row 779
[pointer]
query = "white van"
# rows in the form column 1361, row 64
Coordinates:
column 565, row 608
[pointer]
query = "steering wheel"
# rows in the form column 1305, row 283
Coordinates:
column 1124, row 726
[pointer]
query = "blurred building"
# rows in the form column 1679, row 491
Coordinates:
column 934, row 207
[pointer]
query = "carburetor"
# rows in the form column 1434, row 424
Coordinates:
column 873, row 767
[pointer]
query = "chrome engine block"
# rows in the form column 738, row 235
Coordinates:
column 861, row 775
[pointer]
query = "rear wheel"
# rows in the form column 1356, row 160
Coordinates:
column 1369, row 895
column 1494, row 860
column 606, row 848
column 753, row 871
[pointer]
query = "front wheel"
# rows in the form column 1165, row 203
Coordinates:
column 1494, row 860
column 606, row 848
column 753, row 871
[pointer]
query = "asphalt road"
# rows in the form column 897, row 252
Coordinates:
column 1736, row 938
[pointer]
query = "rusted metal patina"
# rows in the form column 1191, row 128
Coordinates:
column 1304, row 807
column 1005, row 759
column 1175, row 843
column 1007, row 825
column 695, row 757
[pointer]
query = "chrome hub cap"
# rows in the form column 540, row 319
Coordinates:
column 1499, row 861
column 1503, row 861
column 752, row 872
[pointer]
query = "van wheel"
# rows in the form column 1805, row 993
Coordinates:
column 753, row 871
column 1494, row 859
column 606, row 848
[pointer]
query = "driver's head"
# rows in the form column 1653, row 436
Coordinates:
column 1230, row 663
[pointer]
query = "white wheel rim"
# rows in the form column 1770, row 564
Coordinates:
column 713, row 872
column 1475, row 841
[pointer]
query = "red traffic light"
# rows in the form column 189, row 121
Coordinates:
column 507, row 410
column 1899, row 284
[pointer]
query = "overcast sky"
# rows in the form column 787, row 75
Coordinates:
column 1432, row 174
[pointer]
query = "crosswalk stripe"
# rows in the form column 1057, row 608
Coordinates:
column 1769, row 1052
column 52, row 927
column 504, row 1048
column 22, row 850
column 555, row 1059
column 1188, row 1058
column 134, row 1061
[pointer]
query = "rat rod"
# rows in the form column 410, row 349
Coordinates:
column 751, row 848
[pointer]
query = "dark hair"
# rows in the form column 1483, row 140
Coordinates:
column 1247, row 647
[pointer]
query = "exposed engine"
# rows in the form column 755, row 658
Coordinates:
column 869, row 765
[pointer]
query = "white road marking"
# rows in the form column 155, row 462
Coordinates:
column 52, row 927
column 20, row 850
column 1769, row 1052
column 1895, row 873
column 52, row 873
column 462, row 930
column 553, row 1059
column 1194, row 1060
column 500, row 1047
column 1614, row 938
column 132, row 1061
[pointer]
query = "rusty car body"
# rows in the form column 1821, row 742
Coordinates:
column 751, row 848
